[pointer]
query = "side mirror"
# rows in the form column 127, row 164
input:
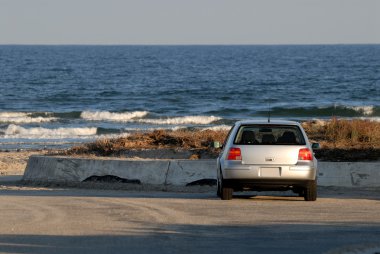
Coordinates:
column 315, row 146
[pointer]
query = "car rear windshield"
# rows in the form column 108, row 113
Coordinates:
column 269, row 135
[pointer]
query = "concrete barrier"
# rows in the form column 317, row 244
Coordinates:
column 180, row 172
column 159, row 172
column 349, row 174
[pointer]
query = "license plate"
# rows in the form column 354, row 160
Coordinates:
column 270, row 172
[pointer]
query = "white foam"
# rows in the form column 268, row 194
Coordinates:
column 15, row 131
column 181, row 120
column 21, row 117
column 13, row 114
column 109, row 116
column 218, row 128
column 365, row 110
column 173, row 128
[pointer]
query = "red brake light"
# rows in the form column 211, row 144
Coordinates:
column 234, row 154
column 305, row 154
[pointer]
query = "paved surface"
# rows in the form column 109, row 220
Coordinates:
column 62, row 220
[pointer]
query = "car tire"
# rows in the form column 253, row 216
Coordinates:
column 226, row 193
column 310, row 193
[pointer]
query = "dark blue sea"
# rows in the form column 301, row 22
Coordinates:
column 57, row 96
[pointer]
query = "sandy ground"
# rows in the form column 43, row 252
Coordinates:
column 14, row 163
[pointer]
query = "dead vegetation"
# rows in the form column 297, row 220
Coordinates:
column 344, row 134
column 340, row 140
column 345, row 140
column 159, row 139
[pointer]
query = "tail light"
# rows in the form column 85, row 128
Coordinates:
column 305, row 154
column 234, row 154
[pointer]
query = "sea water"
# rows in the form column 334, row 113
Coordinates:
column 57, row 96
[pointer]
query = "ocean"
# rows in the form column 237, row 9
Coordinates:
column 59, row 96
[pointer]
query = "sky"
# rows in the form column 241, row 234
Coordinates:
column 189, row 22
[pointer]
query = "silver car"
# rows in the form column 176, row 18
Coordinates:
column 267, row 155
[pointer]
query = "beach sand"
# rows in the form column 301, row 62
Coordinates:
column 14, row 162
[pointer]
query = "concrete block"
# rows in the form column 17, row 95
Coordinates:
column 349, row 174
column 182, row 172
column 66, row 169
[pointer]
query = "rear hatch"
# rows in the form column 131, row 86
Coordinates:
column 269, row 154
column 269, row 144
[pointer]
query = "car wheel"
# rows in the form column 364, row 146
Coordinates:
column 226, row 193
column 223, row 192
column 310, row 193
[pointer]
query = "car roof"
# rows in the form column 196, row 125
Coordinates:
column 272, row 122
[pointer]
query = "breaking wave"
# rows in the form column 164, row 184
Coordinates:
column 21, row 117
column 218, row 128
column 365, row 110
column 15, row 131
column 109, row 116
column 181, row 120
column 138, row 117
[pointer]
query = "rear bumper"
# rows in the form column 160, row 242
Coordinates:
column 268, row 173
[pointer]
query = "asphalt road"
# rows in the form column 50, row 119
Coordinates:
column 63, row 220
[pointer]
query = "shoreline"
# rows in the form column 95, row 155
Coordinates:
column 341, row 140
column 21, row 135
